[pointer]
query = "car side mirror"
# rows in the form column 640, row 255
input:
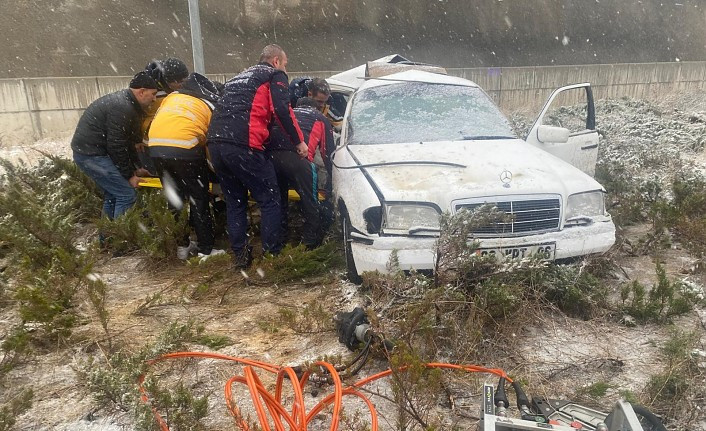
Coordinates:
column 552, row 134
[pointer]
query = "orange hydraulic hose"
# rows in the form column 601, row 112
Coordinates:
column 338, row 393
column 232, row 408
column 268, row 399
column 255, row 395
column 259, row 364
column 326, row 401
column 365, row 381
column 143, row 396
column 298, row 408
column 273, row 405
column 299, row 419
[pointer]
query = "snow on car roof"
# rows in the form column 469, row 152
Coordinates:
column 417, row 76
column 353, row 78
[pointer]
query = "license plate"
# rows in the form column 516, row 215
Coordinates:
column 543, row 251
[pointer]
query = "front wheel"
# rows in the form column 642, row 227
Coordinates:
column 346, row 227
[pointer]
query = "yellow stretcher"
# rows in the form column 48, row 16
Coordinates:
column 155, row 183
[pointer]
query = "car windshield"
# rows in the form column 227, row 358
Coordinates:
column 424, row 112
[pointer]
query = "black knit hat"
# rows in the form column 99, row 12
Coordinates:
column 143, row 80
column 174, row 70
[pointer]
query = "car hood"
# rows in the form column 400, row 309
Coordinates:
column 533, row 171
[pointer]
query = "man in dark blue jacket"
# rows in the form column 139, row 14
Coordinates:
column 239, row 130
column 301, row 174
column 104, row 142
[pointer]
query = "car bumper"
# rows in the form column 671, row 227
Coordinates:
column 418, row 252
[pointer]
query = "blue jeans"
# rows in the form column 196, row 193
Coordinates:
column 118, row 195
column 240, row 169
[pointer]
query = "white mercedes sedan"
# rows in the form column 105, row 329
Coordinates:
column 416, row 144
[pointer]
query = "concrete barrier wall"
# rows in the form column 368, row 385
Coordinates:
column 36, row 108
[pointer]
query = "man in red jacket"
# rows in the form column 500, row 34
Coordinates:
column 239, row 130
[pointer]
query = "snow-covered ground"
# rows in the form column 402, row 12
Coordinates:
column 31, row 154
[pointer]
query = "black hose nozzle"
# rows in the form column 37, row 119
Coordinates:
column 500, row 394
column 522, row 399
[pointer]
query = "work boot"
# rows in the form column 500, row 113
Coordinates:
column 243, row 259
column 183, row 252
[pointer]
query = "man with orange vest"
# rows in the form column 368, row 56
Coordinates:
column 177, row 143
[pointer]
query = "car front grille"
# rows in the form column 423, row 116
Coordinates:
column 527, row 216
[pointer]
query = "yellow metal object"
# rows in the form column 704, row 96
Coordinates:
column 152, row 182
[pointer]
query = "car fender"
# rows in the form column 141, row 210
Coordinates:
column 352, row 189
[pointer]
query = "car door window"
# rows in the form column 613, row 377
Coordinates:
column 570, row 111
column 337, row 104
column 570, row 107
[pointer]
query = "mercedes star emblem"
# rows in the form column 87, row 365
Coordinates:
column 506, row 178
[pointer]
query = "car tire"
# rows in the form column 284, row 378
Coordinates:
column 346, row 228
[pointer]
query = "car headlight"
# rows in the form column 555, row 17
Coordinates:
column 411, row 217
column 582, row 206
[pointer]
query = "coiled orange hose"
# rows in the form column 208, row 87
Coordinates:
column 298, row 420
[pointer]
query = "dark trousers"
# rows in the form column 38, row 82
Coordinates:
column 301, row 174
column 187, row 180
column 240, row 169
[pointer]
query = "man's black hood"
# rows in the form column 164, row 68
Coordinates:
column 197, row 85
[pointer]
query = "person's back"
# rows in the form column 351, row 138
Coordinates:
column 244, row 112
column 93, row 129
column 315, row 127
column 180, row 127
column 110, row 126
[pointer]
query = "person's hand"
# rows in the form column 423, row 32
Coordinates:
column 140, row 147
column 302, row 150
column 142, row 172
column 135, row 181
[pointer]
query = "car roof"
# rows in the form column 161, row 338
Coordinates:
column 353, row 78
column 417, row 76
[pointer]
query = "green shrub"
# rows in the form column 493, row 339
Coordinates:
column 40, row 209
column 179, row 408
column 680, row 379
column 18, row 405
column 296, row 263
column 472, row 299
column 310, row 319
column 15, row 347
column 115, row 383
column 148, row 226
column 664, row 300
column 595, row 390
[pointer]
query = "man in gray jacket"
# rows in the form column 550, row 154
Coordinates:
column 104, row 142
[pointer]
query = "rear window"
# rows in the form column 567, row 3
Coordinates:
column 423, row 112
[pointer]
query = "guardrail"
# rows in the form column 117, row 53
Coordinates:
column 35, row 108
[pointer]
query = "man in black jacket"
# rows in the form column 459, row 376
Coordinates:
column 104, row 142
column 239, row 130
column 301, row 174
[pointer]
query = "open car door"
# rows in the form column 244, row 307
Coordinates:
column 566, row 127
